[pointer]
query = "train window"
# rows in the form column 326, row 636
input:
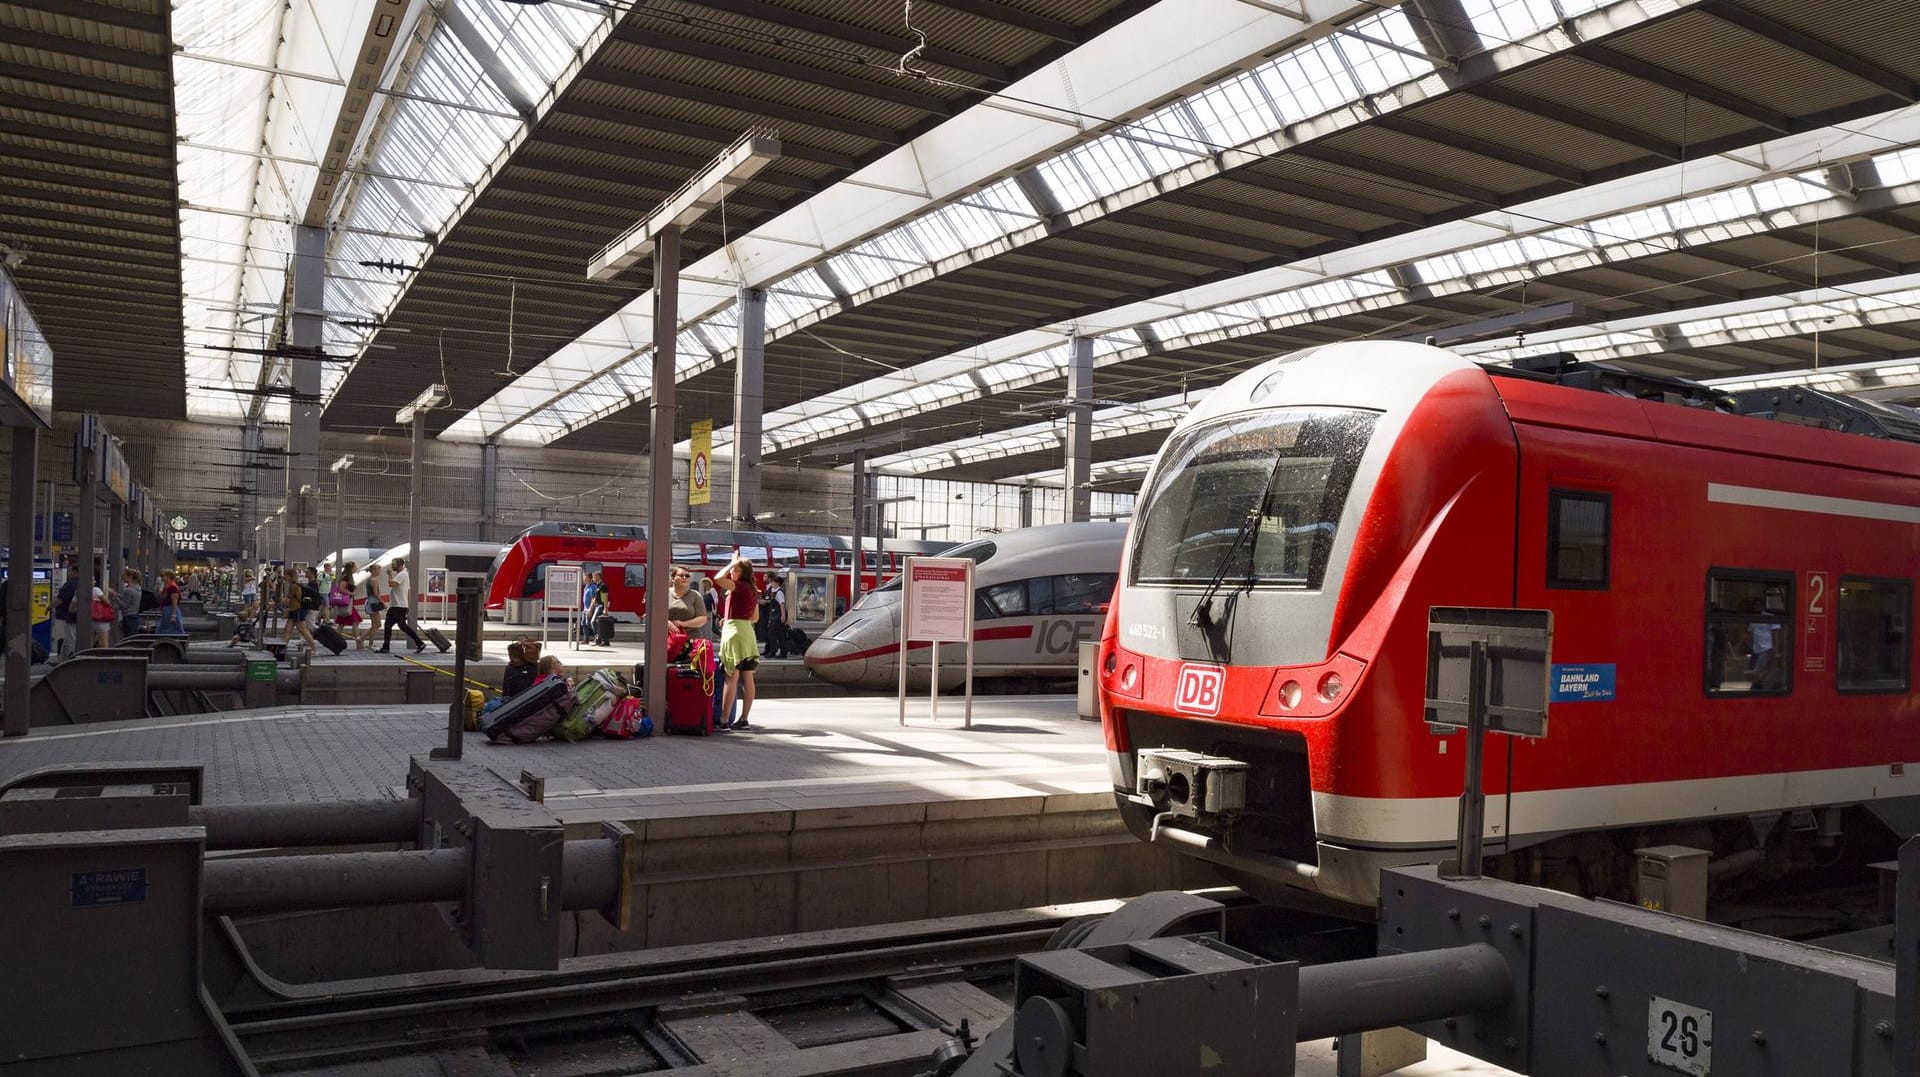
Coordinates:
column 467, row 562
column 1082, row 592
column 818, row 558
column 1875, row 648
column 1254, row 499
column 1579, row 535
column 1749, row 647
column 686, row 553
column 786, row 557
column 871, row 559
column 634, row 576
column 1006, row 599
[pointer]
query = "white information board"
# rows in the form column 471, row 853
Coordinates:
column 563, row 588
column 939, row 599
column 937, row 607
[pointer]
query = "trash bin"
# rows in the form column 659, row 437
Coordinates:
column 522, row 611
column 224, row 625
column 1089, row 705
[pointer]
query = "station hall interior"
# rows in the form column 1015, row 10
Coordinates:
column 1128, row 481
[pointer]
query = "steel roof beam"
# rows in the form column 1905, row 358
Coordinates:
column 858, row 35
column 1006, row 14
column 68, row 228
column 1778, row 270
column 1481, row 147
column 1363, row 163
column 54, row 44
column 1291, row 222
column 722, row 136
column 1819, row 48
column 163, row 198
column 1142, row 216
column 1162, row 251
column 91, row 198
column 160, row 261
column 43, row 155
column 87, row 140
column 648, row 184
column 1573, row 117
column 94, row 11
column 627, row 151
column 485, row 58
column 1725, row 100
column 1254, row 177
column 668, row 41
column 123, row 117
column 718, row 98
column 86, row 83
column 109, row 282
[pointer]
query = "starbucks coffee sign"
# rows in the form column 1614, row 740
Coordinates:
column 184, row 537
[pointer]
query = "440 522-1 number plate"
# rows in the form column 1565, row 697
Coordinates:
column 1680, row 1037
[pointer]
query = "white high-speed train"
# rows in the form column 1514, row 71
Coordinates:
column 1039, row 593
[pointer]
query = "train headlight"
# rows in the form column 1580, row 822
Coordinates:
column 1130, row 677
column 1331, row 686
column 1290, row 694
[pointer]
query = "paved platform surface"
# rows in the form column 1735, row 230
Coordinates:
column 801, row 753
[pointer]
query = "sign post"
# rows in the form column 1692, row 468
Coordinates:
column 1487, row 672
column 562, row 596
column 937, row 607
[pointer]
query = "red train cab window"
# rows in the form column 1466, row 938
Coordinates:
column 1579, row 539
column 1875, row 644
column 1750, row 643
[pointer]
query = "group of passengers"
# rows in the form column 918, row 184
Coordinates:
column 723, row 609
column 353, row 603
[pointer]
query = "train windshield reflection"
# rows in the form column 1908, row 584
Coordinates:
column 1294, row 467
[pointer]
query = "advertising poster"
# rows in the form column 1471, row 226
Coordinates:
column 700, row 466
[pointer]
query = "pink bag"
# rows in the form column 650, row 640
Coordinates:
column 623, row 721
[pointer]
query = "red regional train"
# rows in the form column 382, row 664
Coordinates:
column 1730, row 579
column 816, row 569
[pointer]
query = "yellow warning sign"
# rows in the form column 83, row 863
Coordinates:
column 700, row 467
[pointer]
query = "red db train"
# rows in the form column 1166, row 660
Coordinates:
column 1730, row 578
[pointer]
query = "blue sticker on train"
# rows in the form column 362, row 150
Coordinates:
column 1590, row 683
column 95, row 888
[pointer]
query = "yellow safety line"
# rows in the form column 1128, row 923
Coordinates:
column 447, row 673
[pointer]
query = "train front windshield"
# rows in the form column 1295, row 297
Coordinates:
column 1254, row 499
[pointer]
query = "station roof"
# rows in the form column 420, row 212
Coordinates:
column 1715, row 188
column 87, row 196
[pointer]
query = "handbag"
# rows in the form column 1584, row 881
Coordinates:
column 100, row 611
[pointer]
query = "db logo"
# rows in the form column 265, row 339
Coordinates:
column 1199, row 689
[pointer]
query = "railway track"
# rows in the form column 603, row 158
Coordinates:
column 868, row 1000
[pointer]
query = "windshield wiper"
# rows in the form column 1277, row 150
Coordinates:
column 1202, row 615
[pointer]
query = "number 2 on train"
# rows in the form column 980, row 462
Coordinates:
column 1199, row 689
column 1680, row 1037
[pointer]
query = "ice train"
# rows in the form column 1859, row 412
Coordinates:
column 1039, row 592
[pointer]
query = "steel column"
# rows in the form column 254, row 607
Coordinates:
column 859, row 515
column 416, row 482
column 1906, row 957
column 666, row 320
column 116, row 549
column 300, row 528
column 489, row 490
column 1079, row 469
column 252, row 550
column 16, row 719
column 83, row 537
column 340, row 521
column 749, row 400
column 1026, row 506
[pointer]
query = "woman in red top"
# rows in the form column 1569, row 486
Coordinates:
column 170, row 621
column 739, row 651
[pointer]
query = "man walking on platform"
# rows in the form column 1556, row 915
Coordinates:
column 400, row 610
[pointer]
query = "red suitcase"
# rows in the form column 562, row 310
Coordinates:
column 689, row 701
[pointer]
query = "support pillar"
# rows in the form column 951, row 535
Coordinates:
column 859, row 520
column 749, row 399
column 1026, row 506
column 16, row 719
column 300, row 528
column 489, row 490
column 416, row 490
column 85, row 523
column 116, row 548
column 666, row 321
column 252, row 550
column 1079, row 430
column 340, row 518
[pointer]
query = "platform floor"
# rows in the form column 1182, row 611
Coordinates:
column 800, row 753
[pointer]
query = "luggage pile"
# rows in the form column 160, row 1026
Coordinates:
column 602, row 704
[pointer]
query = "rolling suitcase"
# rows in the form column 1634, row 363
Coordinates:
column 527, row 703
column 329, row 637
column 796, row 641
column 439, row 639
column 689, row 701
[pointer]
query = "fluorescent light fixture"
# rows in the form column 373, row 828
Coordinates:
column 433, row 396
column 342, row 464
column 726, row 174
